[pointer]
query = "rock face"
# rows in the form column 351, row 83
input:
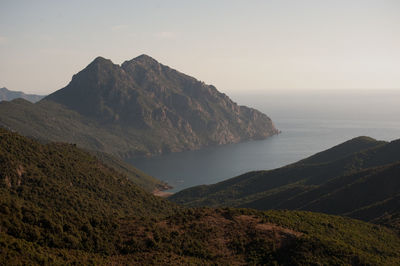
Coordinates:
column 160, row 106
column 7, row 95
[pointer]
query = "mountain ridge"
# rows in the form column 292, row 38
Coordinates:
column 348, row 179
column 150, row 108
column 176, row 94
column 8, row 95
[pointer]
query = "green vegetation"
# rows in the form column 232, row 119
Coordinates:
column 50, row 121
column 359, row 178
column 47, row 120
column 61, row 205
column 60, row 196
column 138, row 177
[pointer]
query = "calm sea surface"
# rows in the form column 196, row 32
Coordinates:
column 310, row 122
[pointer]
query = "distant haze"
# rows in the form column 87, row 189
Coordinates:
column 237, row 46
column 355, row 104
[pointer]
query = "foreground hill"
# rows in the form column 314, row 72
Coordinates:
column 359, row 178
column 139, row 178
column 60, row 205
column 139, row 108
column 7, row 95
column 47, row 120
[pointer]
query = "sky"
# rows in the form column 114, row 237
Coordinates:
column 238, row 46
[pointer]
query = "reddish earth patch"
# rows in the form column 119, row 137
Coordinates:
column 267, row 226
column 222, row 236
column 160, row 193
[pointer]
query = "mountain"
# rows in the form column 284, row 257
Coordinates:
column 358, row 178
column 141, row 108
column 7, row 95
column 61, row 205
column 168, row 111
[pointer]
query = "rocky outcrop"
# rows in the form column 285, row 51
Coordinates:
column 176, row 111
column 141, row 108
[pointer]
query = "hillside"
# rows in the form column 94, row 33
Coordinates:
column 140, row 108
column 60, row 205
column 58, row 196
column 46, row 121
column 7, row 95
column 139, row 178
column 348, row 179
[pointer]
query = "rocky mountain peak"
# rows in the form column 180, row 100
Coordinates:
column 143, row 94
column 100, row 64
column 144, row 58
column 101, row 61
column 143, row 67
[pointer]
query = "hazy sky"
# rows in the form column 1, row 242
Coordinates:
column 235, row 45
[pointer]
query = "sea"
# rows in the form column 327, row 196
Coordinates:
column 310, row 121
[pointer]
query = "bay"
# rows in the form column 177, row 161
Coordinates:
column 310, row 121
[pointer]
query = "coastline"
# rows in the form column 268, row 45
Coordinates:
column 160, row 190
